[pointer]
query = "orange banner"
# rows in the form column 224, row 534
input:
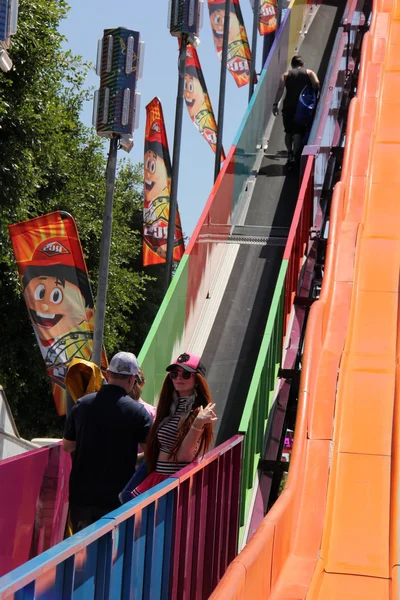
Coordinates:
column 157, row 182
column 57, row 293
column 239, row 54
column 267, row 19
column 198, row 101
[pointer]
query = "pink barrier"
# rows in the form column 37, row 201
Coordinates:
column 33, row 504
column 298, row 238
column 206, row 521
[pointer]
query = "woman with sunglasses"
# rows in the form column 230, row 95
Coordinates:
column 183, row 427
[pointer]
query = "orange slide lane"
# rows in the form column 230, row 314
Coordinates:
column 309, row 537
column 359, row 551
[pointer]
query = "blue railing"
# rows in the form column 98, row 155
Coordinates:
column 174, row 541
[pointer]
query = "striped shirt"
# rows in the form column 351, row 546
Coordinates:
column 168, row 431
column 167, row 435
column 169, row 468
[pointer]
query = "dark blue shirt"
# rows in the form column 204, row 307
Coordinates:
column 107, row 428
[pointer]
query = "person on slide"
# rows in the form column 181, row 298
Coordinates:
column 293, row 82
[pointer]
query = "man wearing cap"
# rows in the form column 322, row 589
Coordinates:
column 104, row 430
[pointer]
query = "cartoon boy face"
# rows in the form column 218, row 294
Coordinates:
column 155, row 176
column 193, row 93
column 56, row 307
column 217, row 19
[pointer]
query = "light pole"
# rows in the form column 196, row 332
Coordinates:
column 185, row 17
column 105, row 246
column 256, row 11
column 173, row 199
column 115, row 115
column 222, row 90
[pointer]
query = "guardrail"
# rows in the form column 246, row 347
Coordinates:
column 259, row 400
column 174, row 541
column 324, row 133
column 258, row 403
column 299, row 235
column 207, row 518
column 295, row 271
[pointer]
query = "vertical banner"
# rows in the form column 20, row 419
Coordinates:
column 198, row 101
column 268, row 13
column 57, row 293
column 157, row 183
column 239, row 54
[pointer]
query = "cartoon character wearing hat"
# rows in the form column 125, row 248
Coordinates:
column 60, row 304
column 239, row 55
column 157, row 177
column 217, row 18
column 57, row 293
column 197, row 99
column 157, row 180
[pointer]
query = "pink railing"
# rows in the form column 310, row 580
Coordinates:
column 298, row 239
column 205, row 536
column 174, row 541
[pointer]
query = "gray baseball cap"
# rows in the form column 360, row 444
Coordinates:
column 124, row 363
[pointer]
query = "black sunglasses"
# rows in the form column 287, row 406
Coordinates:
column 185, row 374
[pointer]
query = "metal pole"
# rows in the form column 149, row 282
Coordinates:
column 173, row 200
column 256, row 11
column 105, row 253
column 279, row 15
column 267, row 45
column 222, row 88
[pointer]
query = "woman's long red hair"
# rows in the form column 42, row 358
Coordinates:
column 163, row 410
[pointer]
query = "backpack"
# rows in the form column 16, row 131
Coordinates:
column 306, row 106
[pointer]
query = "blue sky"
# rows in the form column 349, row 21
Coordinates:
column 84, row 26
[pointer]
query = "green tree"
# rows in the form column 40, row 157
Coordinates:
column 51, row 161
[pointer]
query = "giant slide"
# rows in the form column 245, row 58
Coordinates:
column 334, row 532
column 219, row 305
column 218, row 302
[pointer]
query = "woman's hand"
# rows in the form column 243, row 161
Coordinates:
column 205, row 415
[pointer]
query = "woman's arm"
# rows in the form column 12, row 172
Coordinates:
column 188, row 447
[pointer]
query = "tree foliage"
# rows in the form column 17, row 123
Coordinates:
column 51, row 161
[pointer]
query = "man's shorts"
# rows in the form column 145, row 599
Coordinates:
column 290, row 125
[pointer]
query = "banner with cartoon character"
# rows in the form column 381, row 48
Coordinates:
column 198, row 101
column 267, row 16
column 157, row 181
column 57, row 293
column 239, row 54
